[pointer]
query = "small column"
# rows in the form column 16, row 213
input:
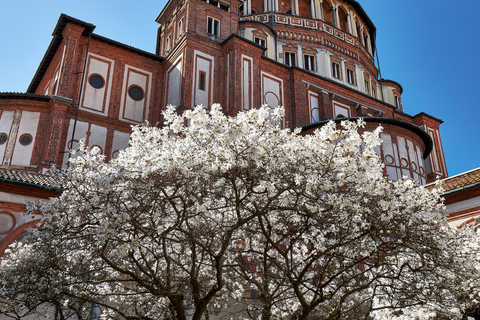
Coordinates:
column 321, row 10
column 385, row 96
column 369, row 45
column 360, row 78
column 300, row 56
column 292, row 7
column 265, row 5
column 248, row 9
column 280, row 52
column 360, row 36
column 329, row 64
column 354, row 25
column 296, row 8
column 276, row 6
column 349, row 21
column 344, row 72
column 320, row 62
column 336, row 19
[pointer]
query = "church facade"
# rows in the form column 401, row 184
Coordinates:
column 316, row 58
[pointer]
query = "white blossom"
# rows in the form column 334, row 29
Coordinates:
column 238, row 217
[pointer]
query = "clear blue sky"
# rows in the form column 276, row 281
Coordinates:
column 431, row 47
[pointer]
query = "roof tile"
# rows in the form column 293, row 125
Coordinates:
column 30, row 178
column 462, row 180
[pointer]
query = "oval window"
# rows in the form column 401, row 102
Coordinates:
column 25, row 139
column 96, row 81
column 136, row 93
column 3, row 138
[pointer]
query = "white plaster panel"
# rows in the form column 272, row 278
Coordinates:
column 270, row 44
column 120, row 142
column 132, row 110
column 246, row 82
column 420, row 162
column 313, row 105
column 340, row 109
column 457, row 206
column 272, row 91
column 411, row 151
column 387, row 144
column 97, row 100
column 403, row 159
column 174, row 82
column 360, row 78
column 324, row 64
column 389, row 97
column 402, row 149
column 395, row 152
column 6, row 120
column 28, row 125
column 98, row 136
column 15, row 198
column 203, row 63
column 390, row 156
column 392, row 173
column 80, row 133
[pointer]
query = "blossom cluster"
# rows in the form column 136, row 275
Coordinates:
column 215, row 216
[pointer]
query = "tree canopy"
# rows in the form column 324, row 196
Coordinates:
column 212, row 216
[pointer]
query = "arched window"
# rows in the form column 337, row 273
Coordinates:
column 365, row 39
column 241, row 10
column 343, row 17
column 327, row 12
column 304, row 8
column 359, row 32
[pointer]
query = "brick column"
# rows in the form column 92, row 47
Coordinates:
column 71, row 38
column 54, row 149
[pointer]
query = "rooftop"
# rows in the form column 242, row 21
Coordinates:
column 461, row 181
column 31, row 179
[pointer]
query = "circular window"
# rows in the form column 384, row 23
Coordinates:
column 136, row 93
column 25, row 139
column 96, row 81
column 3, row 138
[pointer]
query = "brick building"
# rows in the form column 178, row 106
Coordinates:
column 314, row 57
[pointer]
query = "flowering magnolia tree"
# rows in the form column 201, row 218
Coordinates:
column 237, row 218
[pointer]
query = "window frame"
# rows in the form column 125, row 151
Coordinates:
column 202, row 80
column 350, row 77
column 213, row 26
column 336, row 70
column 260, row 41
column 291, row 61
column 367, row 86
column 311, row 64
column 396, row 101
column 180, row 28
column 168, row 43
